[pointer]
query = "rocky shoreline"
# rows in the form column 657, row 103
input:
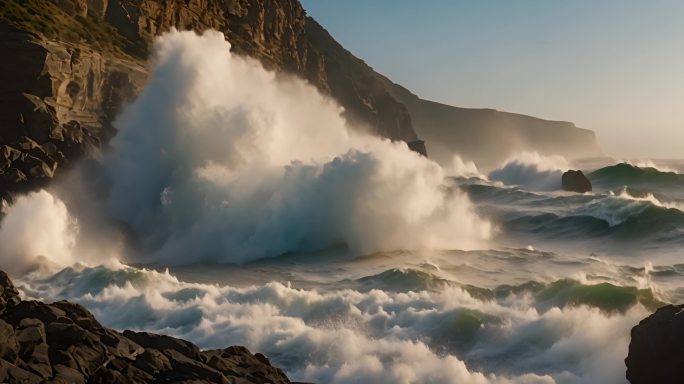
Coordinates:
column 76, row 63
column 656, row 351
column 62, row 342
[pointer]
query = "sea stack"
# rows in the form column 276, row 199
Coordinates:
column 575, row 181
column 656, row 352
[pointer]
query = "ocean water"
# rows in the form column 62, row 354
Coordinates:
column 225, row 214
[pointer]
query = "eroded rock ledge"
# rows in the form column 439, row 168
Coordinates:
column 63, row 343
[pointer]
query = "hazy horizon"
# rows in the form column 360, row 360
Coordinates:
column 611, row 67
column 241, row 225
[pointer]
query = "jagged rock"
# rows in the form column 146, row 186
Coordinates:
column 67, row 375
column 162, row 342
column 64, row 343
column 10, row 373
column 62, row 91
column 418, row 146
column 575, row 181
column 9, row 296
column 656, row 351
column 9, row 346
column 33, row 348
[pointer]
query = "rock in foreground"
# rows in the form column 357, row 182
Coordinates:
column 575, row 181
column 63, row 343
column 656, row 352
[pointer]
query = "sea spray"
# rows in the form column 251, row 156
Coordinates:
column 532, row 170
column 36, row 231
column 346, row 335
column 222, row 160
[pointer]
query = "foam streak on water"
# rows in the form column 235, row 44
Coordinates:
column 441, row 332
column 344, row 258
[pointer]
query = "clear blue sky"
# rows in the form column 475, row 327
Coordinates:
column 614, row 66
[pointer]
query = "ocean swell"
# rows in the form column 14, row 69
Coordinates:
column 647, row 179
column 374, row 336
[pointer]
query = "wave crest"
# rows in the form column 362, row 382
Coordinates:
column 532, row 170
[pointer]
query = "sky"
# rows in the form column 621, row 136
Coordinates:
column 613, row 66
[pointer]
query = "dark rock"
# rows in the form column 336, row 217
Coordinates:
column 63, row 91
column 10, row 373
column 33, row 348
column 9, row 346
column 162, row 342
column 34, row 310
column 64, row 343
column 9, row 296
column 575, row 181
column 418, row 146
column 67, row 375
column 656, row 351
column 152, row 361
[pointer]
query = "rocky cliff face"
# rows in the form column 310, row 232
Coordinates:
column 487, row 136
column 71, row 64
column 77, row 61
column 281, row 35
column 63, row 343
column 57, row 102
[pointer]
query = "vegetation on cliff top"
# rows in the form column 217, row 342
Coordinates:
column 49, row 21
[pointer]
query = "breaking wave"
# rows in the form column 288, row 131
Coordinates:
column 647, row 179
column 532, row 170
column 220, row 160
column 622, row 216
column 572, row 333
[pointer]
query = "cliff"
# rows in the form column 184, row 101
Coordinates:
column 70, row 65
column 57, row 103
column 488, row 136
column 63, row 343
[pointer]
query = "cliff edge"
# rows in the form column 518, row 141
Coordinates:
column 72, row 64
column 487, row 136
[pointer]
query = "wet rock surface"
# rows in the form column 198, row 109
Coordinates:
column 656, row 351
column 63, row 343
column 575, row 181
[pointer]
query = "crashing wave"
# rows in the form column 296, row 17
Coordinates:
column 616, row 177
column 532, row 170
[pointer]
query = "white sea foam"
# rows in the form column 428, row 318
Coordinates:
column 650, row 198
column 648, row 164
column 347, row 336
column 458, row 167
column 36, row 231
column 532, row 170
column 221, row 160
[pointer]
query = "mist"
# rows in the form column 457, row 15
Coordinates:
column 532, row 171
column 220, row 160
